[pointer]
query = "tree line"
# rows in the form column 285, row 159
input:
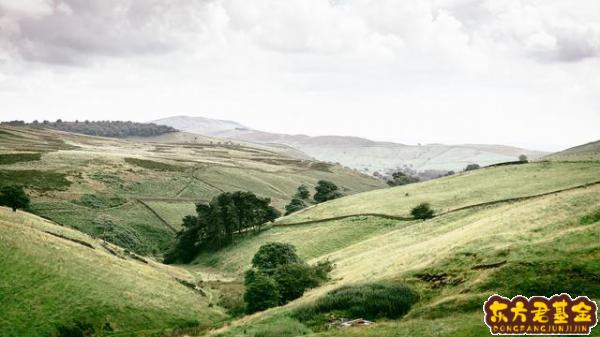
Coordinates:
column 114, row 129
column 217, row 223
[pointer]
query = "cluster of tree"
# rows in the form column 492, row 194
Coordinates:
column 406, row 175
column 472, row 167
column 14, row 196
column 299, row 200
column 216, row 223
column 115, row 129
column 278, row 276
column 325, row 190
column 400, row 178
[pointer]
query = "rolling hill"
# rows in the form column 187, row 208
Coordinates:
column 530, row 229
column 359, row 153
column 585, row 152
column 53, row 276
column 135, row 192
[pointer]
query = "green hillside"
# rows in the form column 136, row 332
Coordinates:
column 536, row 233
column 54, row 276
column 585, row 152
column 140, row 190
column 469, row 188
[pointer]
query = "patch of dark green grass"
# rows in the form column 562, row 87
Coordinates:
column 12, row 158
column 100, row 201
column 153, row 165
column 590, row 218
column 546, row 278
column 370, row 301
column 41, row 181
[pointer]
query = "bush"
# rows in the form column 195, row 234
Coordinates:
column 273, row 255
column 370, row 301
column 523, row 158
column 261, row 292
column 422, row 211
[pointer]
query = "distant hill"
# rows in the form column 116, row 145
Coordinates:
column 114, row 129
column 360, row 153
column 142, row 189
column 589, row 151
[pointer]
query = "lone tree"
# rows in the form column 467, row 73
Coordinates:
column 326, row 190
column 523, row 158
column 422, row 211
column 472, row 167
column 14, row 197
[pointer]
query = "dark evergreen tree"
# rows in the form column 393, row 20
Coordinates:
column 326, row 190
column 14, row 197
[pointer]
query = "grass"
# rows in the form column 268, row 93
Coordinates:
column 311, row 241
column 457, row 191
column 41, row 181
column 50, row 281
column 12, row 158
column 173, row 213
column 541, row 244
column 153, row 165
column 78, row 170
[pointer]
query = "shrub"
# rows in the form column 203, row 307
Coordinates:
column 261, row 291
column 370, row 301
column 523, row 158
column 273, row 255
column 422, row 211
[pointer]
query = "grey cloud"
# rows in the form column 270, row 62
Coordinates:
column 85, row 29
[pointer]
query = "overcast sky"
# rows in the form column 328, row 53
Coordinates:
column 516, row 72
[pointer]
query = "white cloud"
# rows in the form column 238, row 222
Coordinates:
column 516, row 71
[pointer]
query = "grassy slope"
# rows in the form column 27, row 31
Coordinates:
column 546, row 245
column 312, row 241
column 49, row 281
column 169, row 177
column 469, row 188
column 585, row 152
